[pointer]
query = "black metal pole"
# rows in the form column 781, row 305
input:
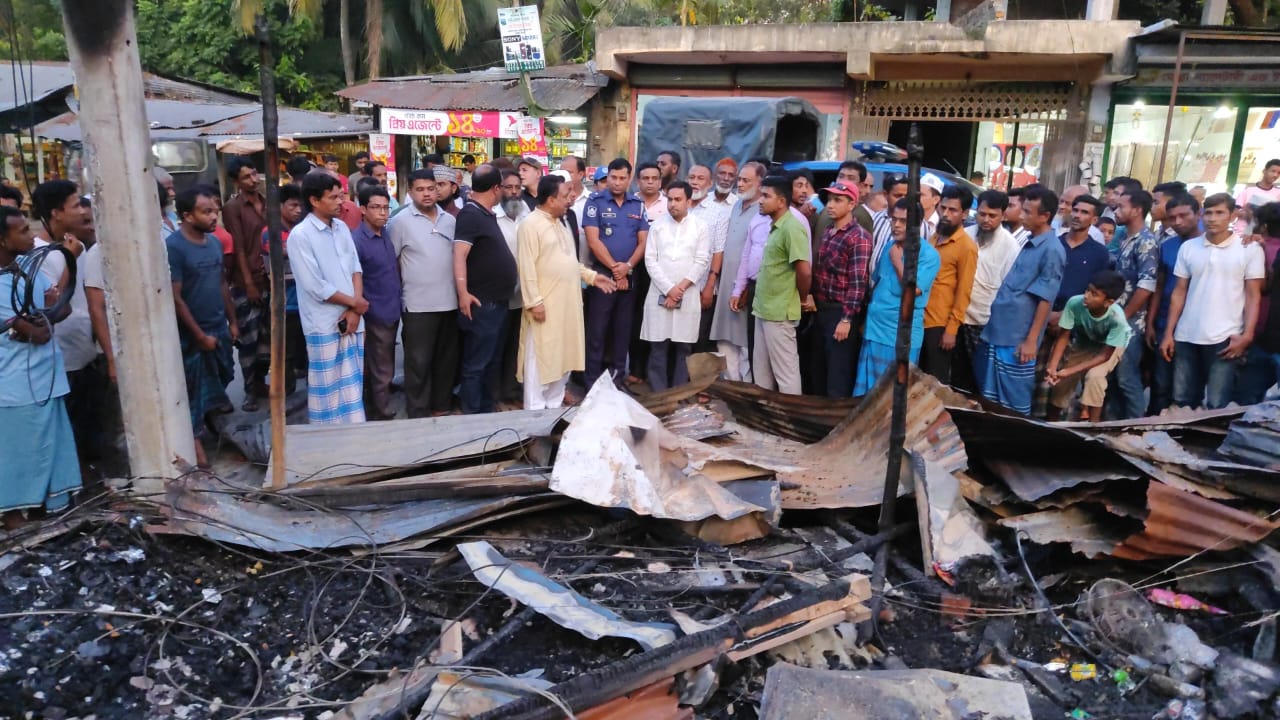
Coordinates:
column 1015, row 153
column 271, row 155
column 902, row 376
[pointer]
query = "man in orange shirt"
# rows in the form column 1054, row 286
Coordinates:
column 949, row 298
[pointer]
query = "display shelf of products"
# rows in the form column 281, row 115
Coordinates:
column 563, row 141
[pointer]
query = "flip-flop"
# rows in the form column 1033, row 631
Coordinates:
column 250, row 405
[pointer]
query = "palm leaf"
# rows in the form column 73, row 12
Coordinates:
column 451, row 22
column 245, row 12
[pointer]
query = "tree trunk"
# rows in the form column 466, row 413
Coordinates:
column 103, row 46
column 373, row 36
column 1246, row 13
column 344, row 37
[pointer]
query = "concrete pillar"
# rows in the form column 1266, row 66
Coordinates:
column 1215, row 12
column 1102, row 10
column 103, row 45
column 910, row 10
column 943, row 12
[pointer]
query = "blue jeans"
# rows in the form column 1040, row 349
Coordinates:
column 1255, row 377
column 1200, row 377
column 1128, row 396
column 481, row 358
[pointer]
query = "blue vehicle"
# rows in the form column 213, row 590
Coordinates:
column 881, row 159
column 824, row 173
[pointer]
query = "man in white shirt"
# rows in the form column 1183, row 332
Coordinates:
column 676, row 255
column 1214, row 308
column 576, row 168
column 69, row 218
column 326, row 270
column 422, row 235
column 1013, row 218
column 716, row 217
column 997, row 250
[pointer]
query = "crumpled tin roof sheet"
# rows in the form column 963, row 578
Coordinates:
column 42, row 79
column 1179, row 524
column 564, row 88
column 179, row 120
column 847, row 467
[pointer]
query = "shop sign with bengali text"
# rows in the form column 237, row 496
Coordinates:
column 533, row 141
column 382, row 147
column 521, row 34
column 454, row 123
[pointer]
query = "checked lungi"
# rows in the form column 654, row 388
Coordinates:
column 208, row 373
column 1003, row 378
column 335, row 378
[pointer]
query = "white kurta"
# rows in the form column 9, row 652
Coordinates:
column 674, row 252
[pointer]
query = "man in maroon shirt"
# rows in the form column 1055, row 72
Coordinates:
column 244, row 216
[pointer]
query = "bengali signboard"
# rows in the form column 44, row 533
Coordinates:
column 521, row 33
column 454, row 123
column 382, row 147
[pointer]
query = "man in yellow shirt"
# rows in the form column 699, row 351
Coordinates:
column 949, row 298
column 552, row 342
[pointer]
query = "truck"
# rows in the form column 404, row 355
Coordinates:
column 705, row 130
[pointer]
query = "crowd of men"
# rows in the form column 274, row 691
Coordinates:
column 503, row 283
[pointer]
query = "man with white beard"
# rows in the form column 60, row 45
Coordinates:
column 726, row 182
column 729, row 322
column 511, row 211
column 716, row 218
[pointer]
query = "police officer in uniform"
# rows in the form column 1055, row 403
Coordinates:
column 616, row 228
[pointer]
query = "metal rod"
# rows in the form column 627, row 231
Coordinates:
column 1173, row 101
column 902, row 374
column 1013, row 149
column 271, row 153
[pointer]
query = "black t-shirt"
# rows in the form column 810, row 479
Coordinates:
column 491, row 269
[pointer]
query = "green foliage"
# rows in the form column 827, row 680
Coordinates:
column 202, row 40
column 39, row 29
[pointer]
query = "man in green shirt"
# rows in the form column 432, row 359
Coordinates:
column 784, row 278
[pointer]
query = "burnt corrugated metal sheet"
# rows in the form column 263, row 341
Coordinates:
column 565, row 88
column 847, row 467
column 1179, row 524
column 797, row 417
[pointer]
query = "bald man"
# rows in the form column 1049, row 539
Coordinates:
column 1065, row 201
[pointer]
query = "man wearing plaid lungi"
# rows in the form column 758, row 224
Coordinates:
column 326, row 269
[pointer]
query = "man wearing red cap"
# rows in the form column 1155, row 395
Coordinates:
column 840, row 291
column 726, row 181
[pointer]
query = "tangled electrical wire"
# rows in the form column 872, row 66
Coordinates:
column 24, row 298
column 27, row 303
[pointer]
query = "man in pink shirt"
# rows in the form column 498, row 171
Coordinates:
column 1255, row 196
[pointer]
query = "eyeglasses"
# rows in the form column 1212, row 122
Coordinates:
column 378, row 208
column 512, row 188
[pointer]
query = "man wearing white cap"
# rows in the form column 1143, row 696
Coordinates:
column 447, row 190
column 930, row 195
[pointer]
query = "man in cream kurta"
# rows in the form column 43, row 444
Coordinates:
column 552, row 342
column 676, row 255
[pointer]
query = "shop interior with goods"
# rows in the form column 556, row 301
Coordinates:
column 1220, row 143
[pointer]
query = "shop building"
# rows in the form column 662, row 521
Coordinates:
column 32, row 93
column 485, row 114
column 989, row 94
column 191, row 139
column 1203, row 107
